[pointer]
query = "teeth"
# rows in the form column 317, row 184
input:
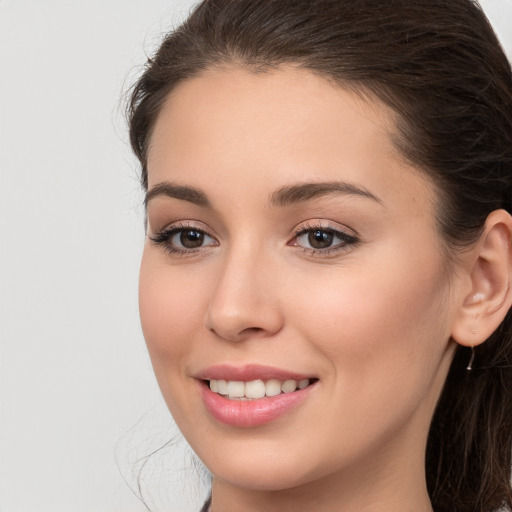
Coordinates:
column 222, row 387
column 288, row 386
column 254, row 389
column 272, row 387
column 238, row 390
column 304, row 383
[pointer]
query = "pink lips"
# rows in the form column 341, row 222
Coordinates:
column 250, row 413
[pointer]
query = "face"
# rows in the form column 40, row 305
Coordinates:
column 288, row 241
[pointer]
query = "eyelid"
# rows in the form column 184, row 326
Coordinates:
column 183, row 224
column 326, row 225
column 348, row 237
column 163, row 237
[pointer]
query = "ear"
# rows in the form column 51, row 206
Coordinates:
column 490, row 271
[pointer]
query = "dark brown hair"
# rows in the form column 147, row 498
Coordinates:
column 438, row 64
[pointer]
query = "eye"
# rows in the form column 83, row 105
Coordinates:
column 322, row 240
column 189, row 238
column 319, row 238
column 183, row 239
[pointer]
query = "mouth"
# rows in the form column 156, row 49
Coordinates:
column 256, row 389
column 253, row 395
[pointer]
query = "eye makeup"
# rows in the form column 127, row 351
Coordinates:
column 317, row 239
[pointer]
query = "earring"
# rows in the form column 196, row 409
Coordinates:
column 471, row 359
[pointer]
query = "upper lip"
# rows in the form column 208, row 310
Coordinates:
column 248, row 373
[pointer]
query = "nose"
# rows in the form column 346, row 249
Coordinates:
column 244, row 303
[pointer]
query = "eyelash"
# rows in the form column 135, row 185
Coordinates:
column 346, row 240
column 163, row 238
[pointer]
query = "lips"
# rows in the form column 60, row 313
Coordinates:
column 249, row 372
column 252, row 395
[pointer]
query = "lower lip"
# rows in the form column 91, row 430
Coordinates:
column 252, row 413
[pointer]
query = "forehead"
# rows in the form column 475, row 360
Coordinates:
column 281, row 126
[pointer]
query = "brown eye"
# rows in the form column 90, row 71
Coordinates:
column 320, row 239
column 191, row 239
column 183, row 240
column 323, row 241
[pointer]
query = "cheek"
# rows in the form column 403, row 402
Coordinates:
column 170, row 305
column 378, row 320
column 382, row 335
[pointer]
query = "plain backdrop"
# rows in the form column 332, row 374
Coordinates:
column 79, row 406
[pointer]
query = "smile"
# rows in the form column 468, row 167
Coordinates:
column 255, row 389
column 253, row 395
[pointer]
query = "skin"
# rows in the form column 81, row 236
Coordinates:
column 373, row 319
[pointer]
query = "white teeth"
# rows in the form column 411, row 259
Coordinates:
column 236, row 389
column 288, row 386
column 254, row 389
column 222, row 387
column 273, row 387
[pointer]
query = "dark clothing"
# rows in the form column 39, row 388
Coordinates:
column 207, row 505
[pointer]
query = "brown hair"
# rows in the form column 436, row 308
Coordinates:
column 438, row 64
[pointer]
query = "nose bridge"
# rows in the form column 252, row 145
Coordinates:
column 243, row 302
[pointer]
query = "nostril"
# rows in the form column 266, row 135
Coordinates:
column 252, row 330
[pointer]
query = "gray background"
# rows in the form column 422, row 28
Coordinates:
column 76, row 385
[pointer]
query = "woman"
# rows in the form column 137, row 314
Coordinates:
column 325, row 286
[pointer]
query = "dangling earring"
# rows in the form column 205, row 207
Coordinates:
column 471, row 359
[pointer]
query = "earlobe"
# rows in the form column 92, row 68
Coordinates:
column 490, row 271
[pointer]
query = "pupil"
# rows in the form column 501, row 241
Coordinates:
column 320, row 239
column 191, row 239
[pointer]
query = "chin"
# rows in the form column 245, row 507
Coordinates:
column 262, row 477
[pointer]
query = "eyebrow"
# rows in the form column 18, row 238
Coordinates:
column 284, row 196
column 182, row 192
column 305, row 191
